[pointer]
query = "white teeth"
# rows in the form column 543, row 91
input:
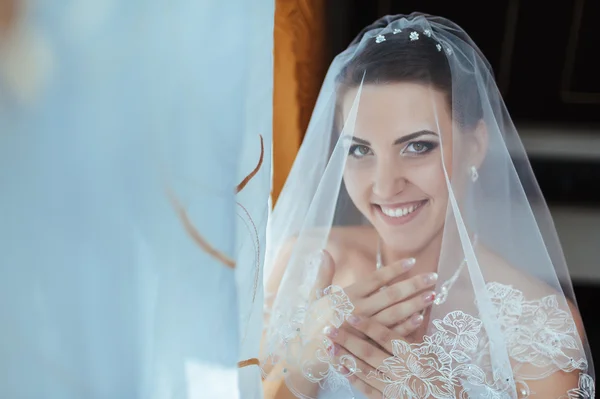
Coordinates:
column 398, row 212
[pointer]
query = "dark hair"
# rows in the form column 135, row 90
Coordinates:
column 400, row 59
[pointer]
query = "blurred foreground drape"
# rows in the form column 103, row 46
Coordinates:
column 128, row 263
column 301, row 57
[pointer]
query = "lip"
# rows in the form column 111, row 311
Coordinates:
column 400, row 220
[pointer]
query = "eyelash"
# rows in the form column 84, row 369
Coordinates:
column 428, row 147
column 354, row 147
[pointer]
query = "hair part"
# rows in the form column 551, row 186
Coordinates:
column 399, row 59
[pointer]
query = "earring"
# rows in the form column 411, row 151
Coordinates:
column 474, row 174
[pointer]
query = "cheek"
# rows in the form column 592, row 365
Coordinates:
column 357, row 183
column 430, row 178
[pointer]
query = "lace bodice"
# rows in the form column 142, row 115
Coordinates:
column 454, row 360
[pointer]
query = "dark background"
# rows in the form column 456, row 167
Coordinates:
column 544, row 54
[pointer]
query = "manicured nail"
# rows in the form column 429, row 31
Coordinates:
column 430, row 278
column 328, row 344
column 331, row 331
column 429, row 297
column 344, row 371
column 349, row 363
column 354, row 320
column 334, row 350
column 417, row 319
column 408, row 263
column 317, row 258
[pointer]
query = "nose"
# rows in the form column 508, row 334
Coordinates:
column 388, row 181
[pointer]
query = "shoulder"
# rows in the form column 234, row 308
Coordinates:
column 351, row 240
column 549, row 303
column 499, row 270
column 530, row 287
column 343, row 242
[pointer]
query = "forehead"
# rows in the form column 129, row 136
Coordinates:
column 398, row 107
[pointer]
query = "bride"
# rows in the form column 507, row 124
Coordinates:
column 411, row 253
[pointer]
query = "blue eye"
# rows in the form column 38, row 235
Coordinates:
column 359, row 151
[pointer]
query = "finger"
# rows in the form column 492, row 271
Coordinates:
column 361, row 370
column 358, row 334
column 380, row 278
column 326, row 265
column 376, row 331
column 408, row 326
column 352, row 330
column 401, row 311
column 359, row 348
column 367, row 390
column 395, row 293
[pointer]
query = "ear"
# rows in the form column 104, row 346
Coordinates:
column 479, row 144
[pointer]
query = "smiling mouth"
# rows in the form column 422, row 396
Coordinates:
column 400, row 210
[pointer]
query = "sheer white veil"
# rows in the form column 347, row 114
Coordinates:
column 505, row 317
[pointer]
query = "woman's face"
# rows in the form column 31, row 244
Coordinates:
column 394, row 172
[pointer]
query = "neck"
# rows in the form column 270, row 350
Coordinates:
column 426, row 257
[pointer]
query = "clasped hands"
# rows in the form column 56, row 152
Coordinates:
column 386, row 308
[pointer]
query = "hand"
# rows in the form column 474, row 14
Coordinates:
column 392, row 306
column 368, row 354
column 395, row 305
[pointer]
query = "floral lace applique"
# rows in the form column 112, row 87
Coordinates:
column 447, row 364
column 438, row 367
column 337, row 310
column 586, row 389
column 538, row 332
column 290, row 341
column 339, row 303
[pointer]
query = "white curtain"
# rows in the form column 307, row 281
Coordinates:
column 253, row 207
column 114, row 115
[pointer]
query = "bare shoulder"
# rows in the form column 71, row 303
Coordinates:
column 344, row 243
column 351, row 241
column 532, row 287
column 499, row 270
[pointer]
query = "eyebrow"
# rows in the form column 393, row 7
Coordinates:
column 402, row 139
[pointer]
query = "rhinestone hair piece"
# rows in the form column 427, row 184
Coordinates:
column 414, row 35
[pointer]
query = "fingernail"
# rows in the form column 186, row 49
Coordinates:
column 331, row 331
column 317, row 258
column 417, row 319
column 334, row 350
column 319, row 293
column 429, row 297
column 349, row 363
column 354, row 320
column 328, row 344
column 430, row 278
column 408, row 263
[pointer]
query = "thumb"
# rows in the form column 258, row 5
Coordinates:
column 324, row 275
